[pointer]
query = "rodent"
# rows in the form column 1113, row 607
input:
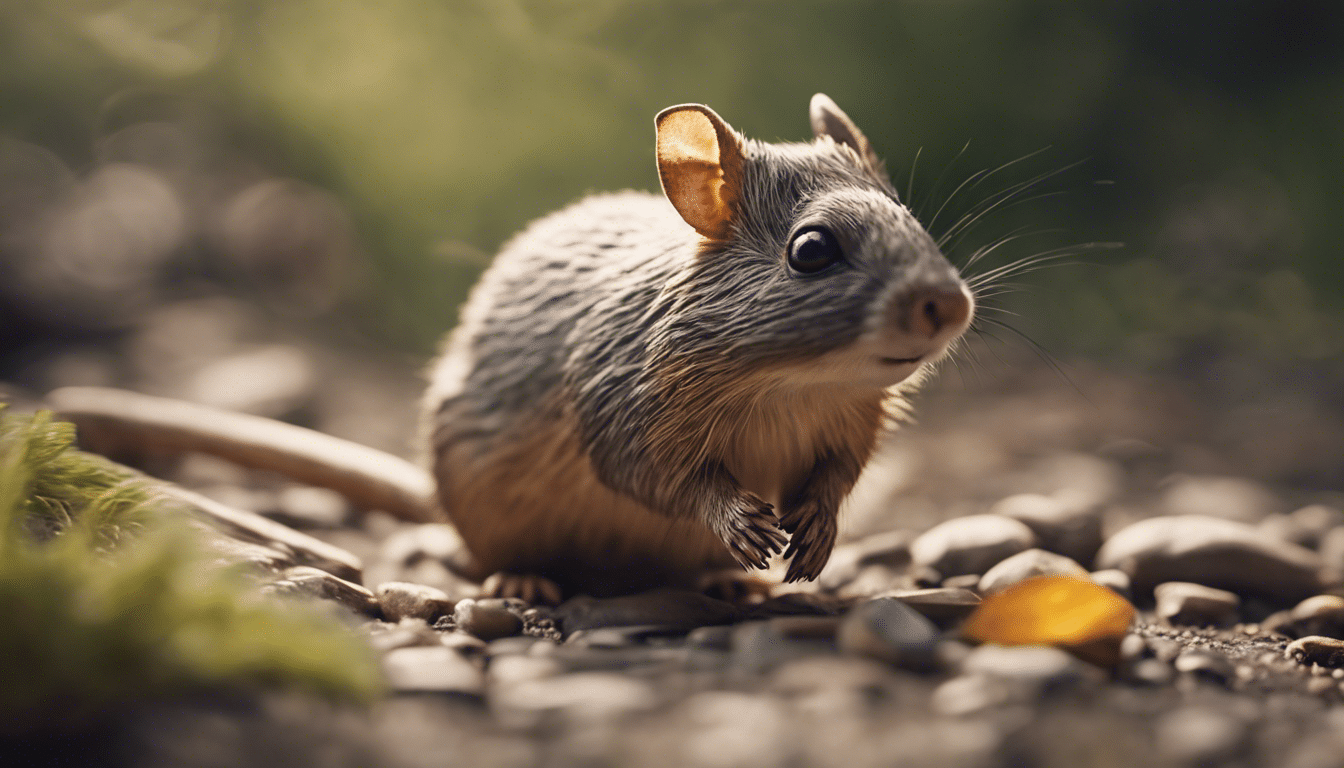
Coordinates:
column 646, row 389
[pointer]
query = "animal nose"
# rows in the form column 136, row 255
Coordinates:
column 934, row 310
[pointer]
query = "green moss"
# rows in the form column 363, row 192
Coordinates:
column 106, row 599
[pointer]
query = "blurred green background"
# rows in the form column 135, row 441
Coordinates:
column 369, row 157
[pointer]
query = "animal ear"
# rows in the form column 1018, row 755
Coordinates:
column 700, row 165
column 829, row 120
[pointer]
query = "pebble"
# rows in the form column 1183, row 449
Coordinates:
column 943, row 607
column 1199, row 734
column 806, row 676
column 1184, row 603
column 1044, row 667
column 1071, row 530
column 1325, row 651
column 1319, row 615
column 968, row 694
column 969, row 581
column 757, row 646
column 1028, row 564
column 400, row 600
column 1205, row 665
column 731, row 729
column 889, row 630
column 667, row 607
column 1115, row 580
column 257, row 558
column 888, row 548
column 1228, row 498
column 512, row 669
column 1332, row 548
column 718, row 637
column 583, row 697
column 306, row 581
column 873, row 579
column 1148, row 672
column 406, row 633
column 432, row 669
column 1214, row 552
column 486, row 619
column 970, row 544
column 469, row 646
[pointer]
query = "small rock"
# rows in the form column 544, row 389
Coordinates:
column 718, row 637
column 1228, row 498
column 757, row 646
column 432, row 669
column 1025, row 565
column 407, row 633
column 1316, row 520
column 400, row 600
column 871, row 580
column 1180, row 602
column 1042, row 666
column 968, row 694
column 1067, row 529
column 1319, row 615
column 1205, row 665
column 888, row 548
column 469, row 646
column 730, row 729
column 970, row 544
column 1214, row 552
column 486, row 619
column 797, row 604
column 1325, row 651
column 806, row 627
column 1332, row 548
column 890, row 631
column 307, row 581
column 257, row 558
column 1148, row 672
column 1115, row 580
column 667, row 607
column 508, row 670
column 943, row 607
column 807, row 676
column 1199, row 735
column 583, row 697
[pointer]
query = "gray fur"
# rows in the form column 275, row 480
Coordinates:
column 612, row 313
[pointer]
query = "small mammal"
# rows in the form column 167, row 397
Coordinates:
column 644, row 390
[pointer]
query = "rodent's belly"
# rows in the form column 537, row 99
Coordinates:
column 535, row 506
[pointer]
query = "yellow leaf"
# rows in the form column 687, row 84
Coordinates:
column 1073, row 613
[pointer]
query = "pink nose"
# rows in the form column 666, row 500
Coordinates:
column 934, row 310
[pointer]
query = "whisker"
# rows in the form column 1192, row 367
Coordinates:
column 933, row 193
column 910, row 184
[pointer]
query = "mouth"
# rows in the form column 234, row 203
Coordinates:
column 900, row 360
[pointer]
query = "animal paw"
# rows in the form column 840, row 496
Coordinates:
column 812, row 537
column 751, row 532
column 527, row 587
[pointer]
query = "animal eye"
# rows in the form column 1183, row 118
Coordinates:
column 812, row 251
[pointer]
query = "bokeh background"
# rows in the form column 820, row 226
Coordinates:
column 199, row 197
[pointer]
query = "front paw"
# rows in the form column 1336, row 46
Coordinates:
column 527, row 587
column 813, row 532
column 750, row 530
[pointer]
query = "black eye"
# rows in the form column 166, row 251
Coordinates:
column 812, row 251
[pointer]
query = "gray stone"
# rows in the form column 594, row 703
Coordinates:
column 871, row 580
column 486, row 620
column 970, row 544
column 432, row 669
column 1181, row 602
column 968, row 694
column 400, row 600
column 889, row 630
column 757, row 646
column 1025, row 565
column 467, row 645
column 888, row 548
column 806, row 627
column 1319, row 615
column 406, row 633
column 580, row 697
column 969, row 581
column 717, row 637
column 1147, row 672
column 1205, row 665
column 809, row 675
column 1072, row 530
column 1324, row 651
column 1228, row 498
column 667, row 607
column 1214, row 552
column 306, row 581
column 943, row 607
column 1043, row 667
column 1115, row 580
column 508, row 670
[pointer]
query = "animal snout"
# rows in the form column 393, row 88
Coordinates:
column 938, row 310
